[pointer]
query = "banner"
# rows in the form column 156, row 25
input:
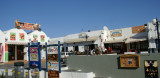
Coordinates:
column 12, row 36
column 21, row 36
column 42, row 38
column 116, row 33
column 26, row 26
column 138, row 29
column 151, row 68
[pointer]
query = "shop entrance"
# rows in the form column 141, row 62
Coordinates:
column 11, row 52
column 20, row 52
column 15, row 52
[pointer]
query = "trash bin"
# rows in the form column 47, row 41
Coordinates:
column 18, row 71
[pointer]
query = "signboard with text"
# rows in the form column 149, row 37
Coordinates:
column 26, row 26
column 34, row 57
column 53, row 62
column 151, row 68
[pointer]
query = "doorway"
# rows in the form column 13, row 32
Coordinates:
column 20, row 53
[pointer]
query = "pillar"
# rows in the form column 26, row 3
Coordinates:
column 15, row 52
column 6, row 52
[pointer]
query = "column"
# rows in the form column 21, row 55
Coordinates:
column 15, row 52
column 6, row 52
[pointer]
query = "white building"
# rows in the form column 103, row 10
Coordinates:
column 2, row 47
column 16, row 41
column 152, row 36
column 120, row 40
column 80, row 41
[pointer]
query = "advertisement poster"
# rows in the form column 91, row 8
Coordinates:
column 26, row 26
column 42, row 38
column 53, row 65
column 21, row 36
column 53, row 74
column 12, row 36
column 52, row 50
column 34, row 64
column 52, row 57
column 138, row 29
column 35, row 36
column 116, row 33
column 1, row 52
column 53, row 62
column 151, row 68
column 34, row 54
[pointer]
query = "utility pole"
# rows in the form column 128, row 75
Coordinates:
column 157, row 25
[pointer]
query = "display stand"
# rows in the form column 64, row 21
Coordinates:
column 34, row 55
column 53, row 60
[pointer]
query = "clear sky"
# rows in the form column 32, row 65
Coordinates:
column 63, row 17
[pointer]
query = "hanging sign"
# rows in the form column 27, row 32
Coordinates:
column 151, row 68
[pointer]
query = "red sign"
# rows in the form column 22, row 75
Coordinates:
column 53, row 74
column 26, row 26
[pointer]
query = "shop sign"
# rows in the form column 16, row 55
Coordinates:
column 42, row 38
column 138, row 29
column 130, row 61
column 34, row 54
column 35, row 36
column 21, row 36
column 12, row 36
column 151, row 68
column 53, row 74
column 52, row 50
column 1, row 52
column 26, row 26
column 116, row 33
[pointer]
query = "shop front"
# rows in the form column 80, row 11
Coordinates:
column 16, row 41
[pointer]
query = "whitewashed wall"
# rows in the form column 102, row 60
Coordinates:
column 2, row 40
column 17, row 31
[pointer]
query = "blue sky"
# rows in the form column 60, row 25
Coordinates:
column 62, row 17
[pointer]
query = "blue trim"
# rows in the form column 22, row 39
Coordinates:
column 29, row 55
column 46, row 58
column 39, row 55
column 59, row 56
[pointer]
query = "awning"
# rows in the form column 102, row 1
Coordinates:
column 93, row 38
column 17, row 43
column 130, row 40
column 115, row 41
